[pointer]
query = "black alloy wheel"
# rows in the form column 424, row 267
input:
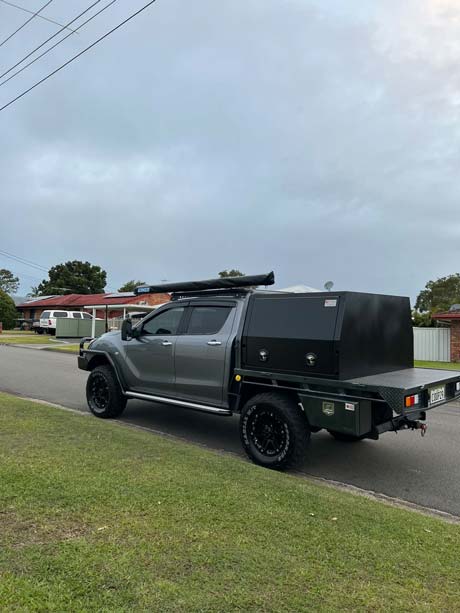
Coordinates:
column 99, row 390
column 103, row 393
column 274, row 431
column 269, row 433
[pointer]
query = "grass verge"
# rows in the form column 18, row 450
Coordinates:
column 439, row 365
column 63, row 348
column 99, row 517
column 26, row 339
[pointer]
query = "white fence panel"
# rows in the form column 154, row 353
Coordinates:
column 432, row 344
column 114, row 323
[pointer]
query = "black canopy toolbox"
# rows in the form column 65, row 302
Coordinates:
column 335, row 336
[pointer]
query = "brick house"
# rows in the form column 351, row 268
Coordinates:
column 452, row 319
column 32, row 308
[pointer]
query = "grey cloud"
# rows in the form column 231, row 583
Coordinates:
column 319, row 141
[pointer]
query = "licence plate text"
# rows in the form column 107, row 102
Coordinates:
column 437, row 394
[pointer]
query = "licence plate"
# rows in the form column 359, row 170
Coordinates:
column 437, row 394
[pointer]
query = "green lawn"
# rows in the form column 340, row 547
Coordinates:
column 40, row 339
column 70, row 348
column 26, row 339
column 440, row 365
column 99, row 517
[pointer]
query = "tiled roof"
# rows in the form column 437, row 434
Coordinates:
column 448, row 315
column 81, row 300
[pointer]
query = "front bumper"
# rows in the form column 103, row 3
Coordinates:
column 84, row 354
column 83, row 362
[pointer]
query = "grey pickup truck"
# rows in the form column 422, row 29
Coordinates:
column 289, row 364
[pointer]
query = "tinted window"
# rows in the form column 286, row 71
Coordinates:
column 60, row 314
column 164, row 323
column 86, row 316
column 207, row 320
column 45, row 315
column 76, row 315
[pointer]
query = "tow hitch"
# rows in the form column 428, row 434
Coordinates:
column 409, row 424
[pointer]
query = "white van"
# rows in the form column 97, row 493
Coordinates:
column 48, row 319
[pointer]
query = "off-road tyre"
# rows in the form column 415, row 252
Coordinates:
column 274, row 432
column 103, row 393
column 345, row 438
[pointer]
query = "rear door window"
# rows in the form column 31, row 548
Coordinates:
column 76, row 315
column 207, row 319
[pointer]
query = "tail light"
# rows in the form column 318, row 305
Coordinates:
column 410, row 401
column 49, row 322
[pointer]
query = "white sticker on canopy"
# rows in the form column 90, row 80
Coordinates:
column 330, row 302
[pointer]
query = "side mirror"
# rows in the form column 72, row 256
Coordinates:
column 126, row 330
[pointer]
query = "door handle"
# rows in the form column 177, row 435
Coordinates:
column 214, row 343
column 166, row 343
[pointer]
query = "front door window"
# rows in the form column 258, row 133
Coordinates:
column 164, row 323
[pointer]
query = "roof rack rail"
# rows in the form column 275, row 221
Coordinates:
column 226, row 283
column 235, row 291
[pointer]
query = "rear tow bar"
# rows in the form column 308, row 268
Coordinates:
column 409, row 424
column 401, row 423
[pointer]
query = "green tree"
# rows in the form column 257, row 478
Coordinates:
column 130, row 286
column 8, row 282
column 422, row 320
column 73, row 278
column 233, row 272
column 8, row 313
column 439, row 295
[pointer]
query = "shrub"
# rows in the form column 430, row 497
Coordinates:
column 8, row 313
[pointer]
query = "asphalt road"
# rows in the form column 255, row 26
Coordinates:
column 425, row 471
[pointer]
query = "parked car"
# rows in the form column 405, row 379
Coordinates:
column 290, row 364
column 48, row 320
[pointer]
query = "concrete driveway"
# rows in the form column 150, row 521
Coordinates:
column 425, row 471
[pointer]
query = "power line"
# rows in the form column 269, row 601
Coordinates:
column 51, row 38
column 56, row 44
column 21, row 8
column 22, row 260
column 78, row 55
column 25, row 23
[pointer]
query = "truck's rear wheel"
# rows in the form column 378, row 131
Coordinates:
column 346, row 438
column 274, row 432
column 103, row 394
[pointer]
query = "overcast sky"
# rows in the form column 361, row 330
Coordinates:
column 318, row 139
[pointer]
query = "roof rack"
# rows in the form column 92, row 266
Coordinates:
column 226, row 283
column 235, row 291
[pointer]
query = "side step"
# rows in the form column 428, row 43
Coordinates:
column 182, row 403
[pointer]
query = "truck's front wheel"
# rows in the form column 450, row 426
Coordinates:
column 103, row 394
column 274, row 432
